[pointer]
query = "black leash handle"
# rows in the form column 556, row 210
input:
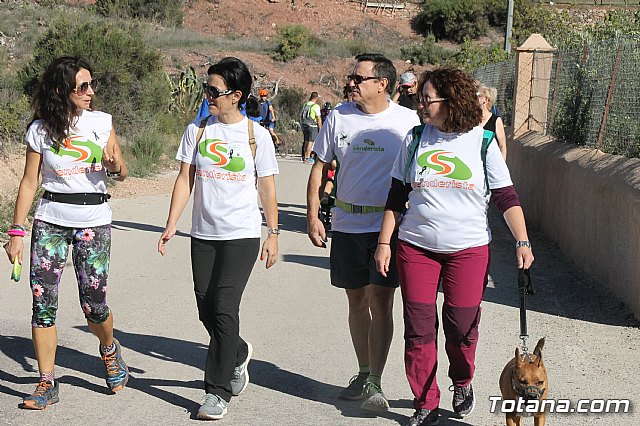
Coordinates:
column 525, row 287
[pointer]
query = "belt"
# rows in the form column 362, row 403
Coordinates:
column 352, row 208
column 82, row 198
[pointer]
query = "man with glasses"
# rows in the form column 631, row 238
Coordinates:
column 364, row 136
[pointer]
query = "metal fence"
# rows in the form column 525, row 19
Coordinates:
column 500, row 75
column 594, row 97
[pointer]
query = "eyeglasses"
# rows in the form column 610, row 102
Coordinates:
column 428, row 101
column 84, row 87
column 213, row 92
column 358, row 79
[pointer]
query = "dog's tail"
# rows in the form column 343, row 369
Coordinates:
column 539, row 346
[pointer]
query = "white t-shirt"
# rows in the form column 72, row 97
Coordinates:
column 448, row 204
column 365, row 146
column 225, row 204
column 75, row 168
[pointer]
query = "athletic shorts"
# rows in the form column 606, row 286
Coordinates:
column 352, row 261
column 309, row 132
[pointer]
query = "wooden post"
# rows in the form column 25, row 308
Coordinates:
column 607, row 105
column 534, row 59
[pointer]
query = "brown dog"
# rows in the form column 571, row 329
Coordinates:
column 525, row 378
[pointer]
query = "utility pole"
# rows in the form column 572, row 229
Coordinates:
column 507, row 36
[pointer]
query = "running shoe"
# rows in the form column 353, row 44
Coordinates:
column 374, row 399
column 116, row 371
column 354, row 391
column 424, row 417
column 240, row 378
column 46, row 393
column 463, row 400
column 213, row 408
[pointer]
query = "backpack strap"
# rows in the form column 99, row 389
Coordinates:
column 253, row 146
column 201, row 127
column 487, row 138
column 413, row 146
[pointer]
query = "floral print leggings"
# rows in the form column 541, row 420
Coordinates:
column 49, row 249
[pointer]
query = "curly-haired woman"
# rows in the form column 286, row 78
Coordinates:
column 447, row 173
column 74, row 148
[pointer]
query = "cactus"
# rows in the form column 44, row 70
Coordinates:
column 186, row 91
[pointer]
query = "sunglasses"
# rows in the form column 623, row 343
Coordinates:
column 213, row 92
column 358, row 79
column 428, row 101
column 84, row 87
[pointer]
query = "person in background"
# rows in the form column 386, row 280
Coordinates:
column 490, row 121
column 268, row 114
column 406, row 93
column 325, row 111
column 74, row 149
column 311, row 121
column 228, row 162
column 444, row 236
column 364, row 137
column 347, row 95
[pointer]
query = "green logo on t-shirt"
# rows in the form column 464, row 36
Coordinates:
column 217, row 151
column 444, row 163
column 82, row 150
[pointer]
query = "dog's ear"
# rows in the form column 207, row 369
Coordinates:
column 538, row 350
column 539, row 362
column 518, row 359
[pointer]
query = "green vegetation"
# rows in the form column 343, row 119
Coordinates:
column 293, row 41
column 288, row 104
column 168, row 12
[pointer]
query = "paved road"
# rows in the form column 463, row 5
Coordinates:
column 297, row 324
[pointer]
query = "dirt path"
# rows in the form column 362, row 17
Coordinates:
column 297, row 324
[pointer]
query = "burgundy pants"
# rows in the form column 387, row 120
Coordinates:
column 464, row 277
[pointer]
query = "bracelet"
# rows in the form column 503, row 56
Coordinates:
column 16, row 226
column 523, row 243
column 384, row 244
column 16, row 233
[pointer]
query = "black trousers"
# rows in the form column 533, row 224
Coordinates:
column 221, row 270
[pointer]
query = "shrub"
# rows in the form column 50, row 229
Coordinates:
column 168, row 12
column 453, row 19
column 472, row 56
column 132, row 83
column 288, row 104
column 292, row 41
column 427, row 52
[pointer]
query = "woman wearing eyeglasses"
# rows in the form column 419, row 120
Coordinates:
column 228, row 161
column 74, row 149
column 447, row 173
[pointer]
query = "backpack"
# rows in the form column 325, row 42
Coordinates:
column 305, row 115
column 265, row 112
column 487, row 137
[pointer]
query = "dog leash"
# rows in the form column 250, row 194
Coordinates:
column 525, row 287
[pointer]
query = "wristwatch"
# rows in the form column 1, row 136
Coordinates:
column 523, row 244
column 273, row 231
column 114, row 174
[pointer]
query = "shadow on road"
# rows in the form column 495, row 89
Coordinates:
column 20, row 348
column 124, row 225
column 316, row 261
column 561, row 290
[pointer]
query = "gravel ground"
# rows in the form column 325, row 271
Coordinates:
column 297, row 324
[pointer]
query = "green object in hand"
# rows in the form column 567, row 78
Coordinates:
column 17, row 270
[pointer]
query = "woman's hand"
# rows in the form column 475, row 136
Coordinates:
column 524, row 256
column 270, row 250
column 14, row 249
column 168, row 232
column 383, row 258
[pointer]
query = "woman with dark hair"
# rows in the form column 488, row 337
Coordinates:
column 231, row 161
column 447, row 171
column 75, row 149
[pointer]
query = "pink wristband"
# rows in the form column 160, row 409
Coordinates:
column 16, row 233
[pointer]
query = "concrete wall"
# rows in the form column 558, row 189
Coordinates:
column 588, row 202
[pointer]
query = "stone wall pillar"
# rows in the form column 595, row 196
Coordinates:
column 534, row 59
